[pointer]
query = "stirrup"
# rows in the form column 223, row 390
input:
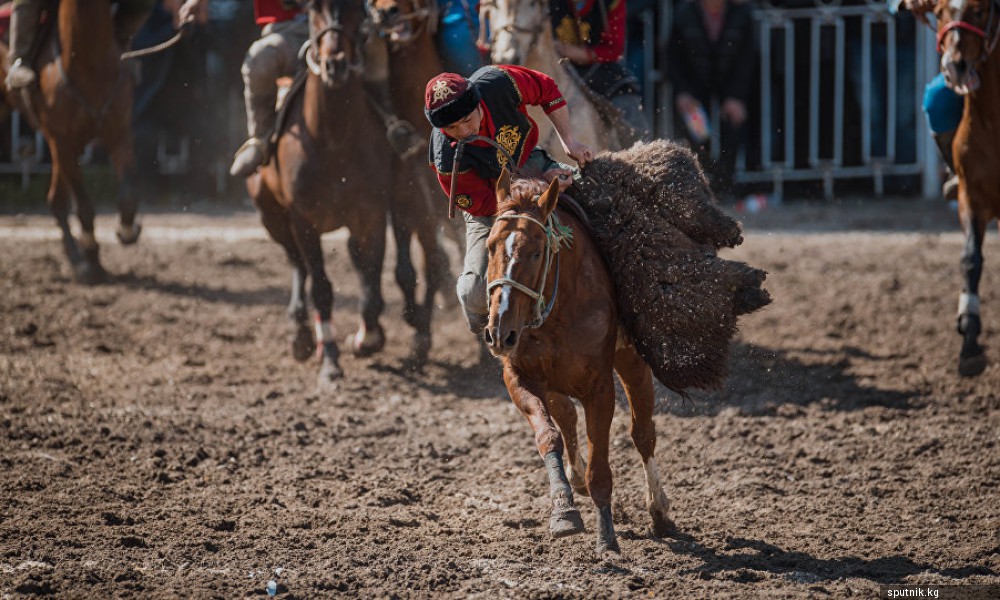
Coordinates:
column 20, row 75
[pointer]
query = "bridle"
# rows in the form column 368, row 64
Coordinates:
column 556, row 236
column 356, row 65
column 489, row 7
column 424, row 12
column 989, row 35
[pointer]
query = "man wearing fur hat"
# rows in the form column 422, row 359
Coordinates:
column 491, row 104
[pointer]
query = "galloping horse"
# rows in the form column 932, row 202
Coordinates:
column 519, row 32
column 968, row 31
column 554, row 323
column 327, row 173
column 406, row 26
column 83, row 93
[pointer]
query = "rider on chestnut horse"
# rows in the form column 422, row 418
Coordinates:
column 24, row 20
column 491, row 104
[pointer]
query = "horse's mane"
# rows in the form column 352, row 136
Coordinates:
column 522, row 194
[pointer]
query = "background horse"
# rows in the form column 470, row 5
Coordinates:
column 329, row 172
column 519, row 32
column 406, row 27
column 554, row 322
column 83, row 93
column 968, row 31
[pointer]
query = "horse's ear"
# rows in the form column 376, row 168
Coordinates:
column 503, row 185
column 548, row 200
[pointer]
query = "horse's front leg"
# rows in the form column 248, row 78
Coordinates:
column 86, row 269
column 972, row 359
column 527, row 395
column 599, row 409
column 307, row 238
column 367, row 250
column 123, row 158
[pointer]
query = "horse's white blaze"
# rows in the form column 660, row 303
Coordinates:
column 958, row 5
column 325, row 332
column 968, row 304
column 505, row 290
column 655, row 498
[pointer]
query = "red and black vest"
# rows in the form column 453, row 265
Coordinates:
column 512, row 128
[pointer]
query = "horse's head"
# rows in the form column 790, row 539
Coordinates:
column 514, row 27
column 335, row 37
column 521, row 256
column 967, row 33
column 402, row 21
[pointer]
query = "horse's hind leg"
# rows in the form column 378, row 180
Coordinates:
column 89, row 269
column 59, row 204
column 528, row 397
column 367, row 250
column 406, row 278
column 564, row 414
column 599, row 409
column 972, row 360
column 637, row 379
column 123, row 158
column 307, row 239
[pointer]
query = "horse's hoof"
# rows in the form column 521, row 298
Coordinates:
column 608, row 550
column 663, row 526
column 607, row 541
column 565, row 523
column 970, row 366
column 304, row 345
column 87, row 273
column 365, row 343
column 420, row 348
column 128, row 234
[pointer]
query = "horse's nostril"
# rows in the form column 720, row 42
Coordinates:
column 488, row 336
column 392, row 11
column 511, row 340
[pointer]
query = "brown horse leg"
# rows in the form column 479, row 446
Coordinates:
column 307, row 239
column 527, row 396
column 58, row 200
column 275, row 220
column 89, row 270
column 972, row 359
column 123, row 157
column 406, row 278
column 599, row 410
column 564, row 414
column 367, row 254
column 637, row 379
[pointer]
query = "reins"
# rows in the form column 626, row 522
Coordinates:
column 557, row 235
column 141, row 52
column 990, row 35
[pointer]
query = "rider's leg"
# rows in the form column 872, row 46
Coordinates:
column 401, row 134
column 471, row 286
column 274, row 55
column 630, row 106
column 23, row 24
column 943, row 108
column 129, row 18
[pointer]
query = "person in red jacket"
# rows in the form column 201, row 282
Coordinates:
column 591, row 34
column 492, row 104
column 284, row 29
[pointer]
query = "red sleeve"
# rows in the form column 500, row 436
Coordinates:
column 271, row 11
column 536, row 88
column 473, row 194
column 611, row 46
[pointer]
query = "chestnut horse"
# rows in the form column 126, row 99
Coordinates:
column 520, row 32
column 328, row 172
column 968, row 31
column 83, row 93
column 554, row 323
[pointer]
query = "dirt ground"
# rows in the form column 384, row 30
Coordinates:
column 157, row 439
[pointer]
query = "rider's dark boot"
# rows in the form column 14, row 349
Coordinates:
column 944, row 141
column 402, row 135
column 260, row 122
column 23, row 24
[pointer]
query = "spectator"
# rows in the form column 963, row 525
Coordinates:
column 456, row 36
column 711, row 55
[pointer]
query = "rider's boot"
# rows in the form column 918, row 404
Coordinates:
column 402, row 134
column 950, row 186
column 23, row 24
column 260, row 122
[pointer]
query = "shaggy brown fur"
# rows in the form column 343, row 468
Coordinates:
column 655, row 220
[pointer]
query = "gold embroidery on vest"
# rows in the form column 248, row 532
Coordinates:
column 573, row 31
column 508, row 137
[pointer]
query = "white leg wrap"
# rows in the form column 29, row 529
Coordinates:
column 655, row 497
column 325, row 331
column 968, row 304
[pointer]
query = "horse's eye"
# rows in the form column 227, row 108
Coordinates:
column 536, row 256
